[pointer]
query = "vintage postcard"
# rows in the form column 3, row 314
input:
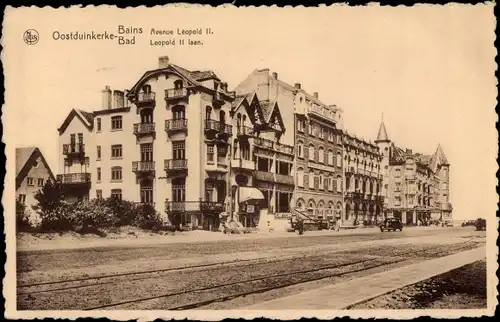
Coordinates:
column 237, row 162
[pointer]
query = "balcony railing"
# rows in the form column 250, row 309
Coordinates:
column 74, row 178
column 242, row 130
column 264, row 176
column 212, row 125
column 175, row 164
column 144, row 128
column 175, row 93
column 176, row 125
column 193, row 206
column 143, row 166
column 274, row 146
column 218, row 100
column 226, row 129
column 243, row 164
column 284, row 179
column 76, row 148
column 145, row 98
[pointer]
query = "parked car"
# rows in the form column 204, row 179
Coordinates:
column 481, row 224
column 391, row 224
column 447, row 223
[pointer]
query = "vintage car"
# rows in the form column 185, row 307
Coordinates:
column 391, row 224
column 469, row 223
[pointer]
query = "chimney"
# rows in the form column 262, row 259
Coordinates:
column 223, row 87
column 297, row 85
column 163, row 62
column 275, row 75
column 119, row 99
column 315, row 94
column 106, row 98
column 409, row 151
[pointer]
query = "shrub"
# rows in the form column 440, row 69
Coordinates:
column 124, row 211
column 22, row 219
column 92, row 216
column 59, row 219
column 148, row 218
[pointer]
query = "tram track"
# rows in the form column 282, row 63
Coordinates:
column 307, row 276
column 254, row 285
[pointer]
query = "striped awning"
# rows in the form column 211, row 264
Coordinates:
column 250, row 193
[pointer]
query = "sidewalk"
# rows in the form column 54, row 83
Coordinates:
column 343, row 295
column 182, row 237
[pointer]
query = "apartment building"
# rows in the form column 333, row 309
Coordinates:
column 363, row 181
column 310, row 178
column 32, row 172
column 415, row 185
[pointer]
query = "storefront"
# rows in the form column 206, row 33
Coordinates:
column 249, row 201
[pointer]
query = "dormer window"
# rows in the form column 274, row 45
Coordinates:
column 146, row 88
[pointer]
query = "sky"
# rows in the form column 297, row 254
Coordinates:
column 428, row 69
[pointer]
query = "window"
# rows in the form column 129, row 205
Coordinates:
column 300, row 177
column 311, row 152
column 22, row 198
column 179, row 150
column 40, row 182
column 300, row 149
column 98, row 194
column 397, row 201
column 339, row 160
column 179, row 112
column 116, row 174
column 98, row 152
column 331, row 136
column 146, row 152
column 301, row 124
column 147, row 191
column 316, row 182
column 210, row 153
column 330, row 184
column 116, row 193
column 208, row 113
column 321, row 155
column 98, row 174
column 339, row 184
column 35, row 165
column 116, row 123
column 98, row 122
column 320, row 183
column 311, row 180
column 397, row 173
column 116, row 151
column 30, row 181
column 178, row 189
column 310, row 129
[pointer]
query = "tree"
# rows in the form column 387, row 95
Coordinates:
column 50, row 197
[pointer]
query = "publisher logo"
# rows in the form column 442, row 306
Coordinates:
column 31, row 36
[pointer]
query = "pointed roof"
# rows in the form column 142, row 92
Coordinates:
column 25, row 158
column 440, row 157
column 85, row 117
column 382, row 134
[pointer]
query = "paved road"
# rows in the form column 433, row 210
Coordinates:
column 171, row 276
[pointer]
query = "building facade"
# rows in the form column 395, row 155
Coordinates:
column 32, row 172
column 363, row 182
column 314, row 182
column 415, row 185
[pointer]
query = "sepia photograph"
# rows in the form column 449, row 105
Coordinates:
column 232, row 162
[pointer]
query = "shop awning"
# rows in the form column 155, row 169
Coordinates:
column 249, row 193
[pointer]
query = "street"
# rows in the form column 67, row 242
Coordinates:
column 227, row 274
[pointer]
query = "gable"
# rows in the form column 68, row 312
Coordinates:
column 172, row 69
column 255, row 111
column 275, row 119
column 31, row 161
column 70, row 118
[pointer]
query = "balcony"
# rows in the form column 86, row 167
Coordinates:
column 212, row 126
column 175, row 165
column 175, row 94
column 284, row 179
column 144, row 128
column 218, row 100
column 264, row 176
column 193, row 206
column 176, row 125
column 243, row 164
column 225, row 131
column 74, row 178
column 75, row 149
column 244, row 131
column 273, row 146
column 145, row 99
column 143, row 166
